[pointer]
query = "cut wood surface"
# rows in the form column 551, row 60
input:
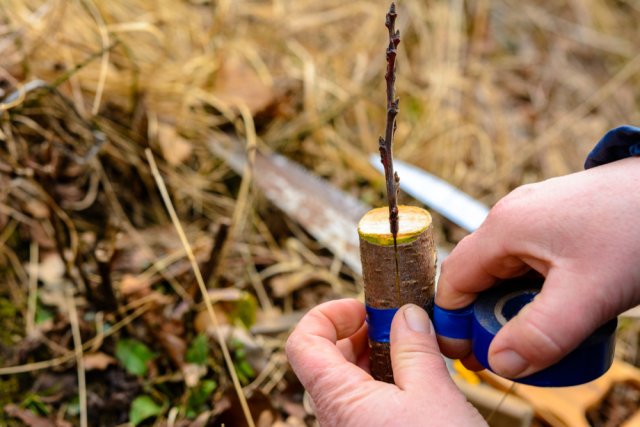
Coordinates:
column 416, row 264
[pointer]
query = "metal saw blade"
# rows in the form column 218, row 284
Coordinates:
column 327, row 213
column 438, row 194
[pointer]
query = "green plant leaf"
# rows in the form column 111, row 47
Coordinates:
column 199, row 396
column 73, row 407
column 243, row 368
column 198, row 350
column 42, row 314
column 245, row 309
column 142, row 408
column 34, row 403
column 134, row 356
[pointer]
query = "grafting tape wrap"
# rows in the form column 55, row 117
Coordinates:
column 379, row 323
column 481, row 321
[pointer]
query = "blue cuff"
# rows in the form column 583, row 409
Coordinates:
column 617, row 144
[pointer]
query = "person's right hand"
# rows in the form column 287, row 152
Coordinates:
column 582, row 232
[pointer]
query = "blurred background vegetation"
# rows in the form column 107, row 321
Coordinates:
column 493, row 94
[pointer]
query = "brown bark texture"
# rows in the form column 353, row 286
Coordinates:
column 416, row 266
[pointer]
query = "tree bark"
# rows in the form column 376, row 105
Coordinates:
column 414, row 281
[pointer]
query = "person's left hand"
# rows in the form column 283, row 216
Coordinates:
column 328, row 351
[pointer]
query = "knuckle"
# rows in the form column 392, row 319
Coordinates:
column 448, row 265
column 543, row 342
column 413, row 347
column 312, row 381
column 525, row 191
column 344, row 405
column 292, row 346
column 289, row 346
column 410, row 353
column 513, row 202
column 463, row 243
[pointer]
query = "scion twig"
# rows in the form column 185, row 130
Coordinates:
column 386, row 143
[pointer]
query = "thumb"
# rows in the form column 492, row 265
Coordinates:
column 415, row 356
column 558, row 319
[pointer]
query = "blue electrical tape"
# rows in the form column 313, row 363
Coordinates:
column 454, row 323
column 379, row 322
column 481, row 321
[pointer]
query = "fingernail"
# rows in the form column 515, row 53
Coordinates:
column 508, row 363
column 417, row 319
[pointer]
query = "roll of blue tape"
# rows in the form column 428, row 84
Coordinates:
column 379, row 322
column 495, row 307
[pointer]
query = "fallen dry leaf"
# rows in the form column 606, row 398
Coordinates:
column 266, row 419
column 97, row 361
column 51, row 269
column 290, row 422
column 285, row 284
column 267, row 323
column 51, row 273
column 130, row 285
column 238, row 83
column 192, row 373
column 173, row 344
column 225, row 294
column 175, row 149
column 203, row 322
column 37, row 209
column 31, row 419
column 202, row 420
column 294, row 409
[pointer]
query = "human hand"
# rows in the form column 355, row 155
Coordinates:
column 580, row 231
column 329, row 352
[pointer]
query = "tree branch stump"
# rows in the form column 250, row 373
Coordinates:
column 415, row 279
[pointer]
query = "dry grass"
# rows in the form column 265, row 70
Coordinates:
column 493, row 94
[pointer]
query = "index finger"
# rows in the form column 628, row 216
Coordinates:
column 475, row 264
column 312, row 351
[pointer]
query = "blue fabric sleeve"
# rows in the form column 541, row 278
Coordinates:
column 617, row 144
